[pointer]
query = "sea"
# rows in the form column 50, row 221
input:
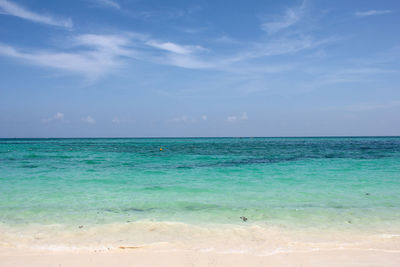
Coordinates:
column 203, row 193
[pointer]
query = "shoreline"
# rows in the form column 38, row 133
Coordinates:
column 189, row 245
column 219, row 237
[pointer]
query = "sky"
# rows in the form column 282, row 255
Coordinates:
column 146, row 68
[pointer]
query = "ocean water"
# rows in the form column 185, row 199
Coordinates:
column 59, row 187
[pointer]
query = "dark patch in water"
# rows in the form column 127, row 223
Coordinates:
column 247, row 161
column 33, row 156
column 135, row 209
column 91, row 162
column 29, row 166
column 184, row 167
column 125, row 210
column 195, row 207
column 339, row 206
column 155, row 187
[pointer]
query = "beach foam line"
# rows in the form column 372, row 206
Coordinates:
column 288, row 251
column 218, row 238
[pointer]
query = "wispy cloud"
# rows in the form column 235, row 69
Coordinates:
column 109, row 3
column 12, row 9
column 159, row 13
column 292, row 42
column 281, row 46
column 241, row 117
column 110, row 44
column 187, row 62
column 175, row 48
column 94, row 55
column 291, row 17
column 372, row 13
column 193, row 56
column 204, row 117
column 89, row 120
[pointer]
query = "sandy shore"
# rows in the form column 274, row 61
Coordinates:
column 145, row 257
column 178, row 244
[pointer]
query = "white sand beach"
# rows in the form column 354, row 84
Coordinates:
column 177, row 244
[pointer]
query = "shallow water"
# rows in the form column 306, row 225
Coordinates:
column 293, row 183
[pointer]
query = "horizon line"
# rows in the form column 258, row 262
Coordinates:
column 193, row 137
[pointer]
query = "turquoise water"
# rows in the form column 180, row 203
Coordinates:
column 289, row 182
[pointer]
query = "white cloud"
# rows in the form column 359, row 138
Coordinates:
column 110, row 44
column 276, row 47
column 204, row 117
column 178, row 55
column 89, row 120
column 10, row 8
column 372, row 13
column 88, row 64
column 291, row 17
column 59, row 116
column 116, row 120
column 187, row 56
column 109, row 3
column 175, row 48
column 232, row 118
column 95, row 55
column 242, row 117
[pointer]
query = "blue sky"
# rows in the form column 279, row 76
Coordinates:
column 132, row 68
